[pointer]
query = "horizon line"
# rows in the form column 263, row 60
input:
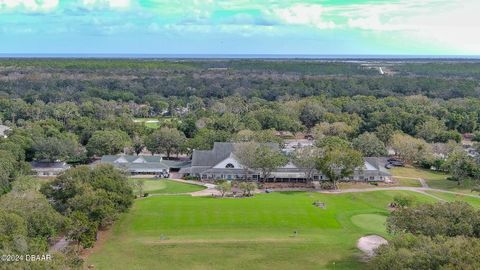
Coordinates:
column 236, row 56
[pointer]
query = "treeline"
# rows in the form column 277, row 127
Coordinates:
column 441, row 69
column 271, row 87
column 143, row 80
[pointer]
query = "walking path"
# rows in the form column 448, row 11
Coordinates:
column 210, row 189
column 415, row 189
column 60, row 245
column 421, row 180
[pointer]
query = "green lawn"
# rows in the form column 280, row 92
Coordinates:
column 157, row 186
column 408, row 182
column 155, row 123
column 456, row 197
column 184, row 232
column 401, row 182
column 433, row 179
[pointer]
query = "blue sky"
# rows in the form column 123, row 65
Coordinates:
column 424, row 27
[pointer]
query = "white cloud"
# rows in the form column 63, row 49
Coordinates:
column 448, row 24
column 304, row 14
column 29, row 5
column 113, row 4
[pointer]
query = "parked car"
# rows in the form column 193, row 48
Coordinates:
column 397, row 163
column 388, row 166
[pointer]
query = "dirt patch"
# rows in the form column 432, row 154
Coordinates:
column 102, row 237
column 369, row 243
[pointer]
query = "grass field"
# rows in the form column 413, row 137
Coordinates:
column 408, row 182
column 456, row 197
column 148, row 122
column 155, row 123
column 434, row 179
column 401, row 182
column 184, row 232
column 158, row 186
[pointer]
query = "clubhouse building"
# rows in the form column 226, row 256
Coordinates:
column 154, row 165
column 221, row 163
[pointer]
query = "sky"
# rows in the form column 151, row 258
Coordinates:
column 322, row 27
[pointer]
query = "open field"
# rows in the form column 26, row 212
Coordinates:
column 400, row 182
column 155, row 123
column 148, row 122
column 165, row 186
column 455, row 197
column 183, row 232
column 434, row 179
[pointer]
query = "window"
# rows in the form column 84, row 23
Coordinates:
column 230, row 166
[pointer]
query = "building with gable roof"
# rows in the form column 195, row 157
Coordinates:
column 154, row 165
column 221, row 163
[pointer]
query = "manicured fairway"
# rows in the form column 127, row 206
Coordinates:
column 158, row 186
column 269, row 231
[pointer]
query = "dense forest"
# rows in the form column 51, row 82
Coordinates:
column 148, row 80
column 76, row 110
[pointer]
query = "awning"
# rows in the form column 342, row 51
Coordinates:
column 288, row 175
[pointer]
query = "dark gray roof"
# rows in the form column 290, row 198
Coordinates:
column 220, row 151
column 379, row 164
column 140, row 164
column 49, row 165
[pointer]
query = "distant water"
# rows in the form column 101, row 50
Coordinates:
column 248, row 56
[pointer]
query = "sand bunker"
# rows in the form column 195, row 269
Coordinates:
column 369, row 243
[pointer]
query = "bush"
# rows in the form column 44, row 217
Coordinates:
column 402, row 201
column 327, row 185
column 425, row 253
column 448, row 219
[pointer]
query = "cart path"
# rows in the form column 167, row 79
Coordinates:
column 421, row 180
column 415, row 189
column 210, row 189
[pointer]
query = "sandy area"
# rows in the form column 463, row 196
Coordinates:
column 369, row 243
